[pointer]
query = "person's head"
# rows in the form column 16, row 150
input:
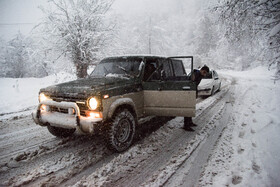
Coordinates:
column 204, row 70
column 150, row 67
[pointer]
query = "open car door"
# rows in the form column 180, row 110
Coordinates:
column 169, row 91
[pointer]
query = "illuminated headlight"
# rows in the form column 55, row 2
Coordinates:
column 92, row 103
column 42, row 97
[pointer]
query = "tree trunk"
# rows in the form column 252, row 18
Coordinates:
column 81, row 70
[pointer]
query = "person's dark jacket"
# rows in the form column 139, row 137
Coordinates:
column 196, row 77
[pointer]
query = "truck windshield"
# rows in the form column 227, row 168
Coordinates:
column 118, row 67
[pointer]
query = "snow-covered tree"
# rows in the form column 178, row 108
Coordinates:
column 78, row 29
column 206, row 39
column 16, row 57
column 253, row 29
column 142, row 36
column 19, row 58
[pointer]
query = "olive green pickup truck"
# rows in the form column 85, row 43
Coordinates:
column 112, row 99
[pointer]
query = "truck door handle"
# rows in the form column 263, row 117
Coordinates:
column 186, row 88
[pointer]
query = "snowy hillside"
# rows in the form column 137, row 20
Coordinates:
column 22, row 93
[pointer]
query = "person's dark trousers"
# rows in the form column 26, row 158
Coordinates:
column 188, row 124
column 187, row 121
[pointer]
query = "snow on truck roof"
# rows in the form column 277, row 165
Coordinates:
column 147, row 55
column 138, row 55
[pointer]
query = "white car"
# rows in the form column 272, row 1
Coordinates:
column 210, row 84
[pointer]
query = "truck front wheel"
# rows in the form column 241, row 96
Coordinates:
column 60, row 132
column 120, row 131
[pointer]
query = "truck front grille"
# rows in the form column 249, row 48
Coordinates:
column 82, row 107
column 57, row 109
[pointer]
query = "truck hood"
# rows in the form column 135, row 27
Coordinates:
column 88, row 86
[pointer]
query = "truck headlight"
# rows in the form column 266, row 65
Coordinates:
column 42, row 97
column 92, row 103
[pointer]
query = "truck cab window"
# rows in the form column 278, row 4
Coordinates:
column 166, row 67
column 178, row 68
column 152, row 70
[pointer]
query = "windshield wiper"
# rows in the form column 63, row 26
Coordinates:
column 124, row 70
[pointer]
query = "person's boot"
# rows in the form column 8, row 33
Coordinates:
column 187, row 124
column 187, row 128
column 193, row 124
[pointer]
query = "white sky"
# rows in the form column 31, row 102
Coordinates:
column 13, row 13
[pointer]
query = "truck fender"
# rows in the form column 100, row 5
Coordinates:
column 119, row 102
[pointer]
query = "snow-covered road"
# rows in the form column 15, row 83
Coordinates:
column 162, row 155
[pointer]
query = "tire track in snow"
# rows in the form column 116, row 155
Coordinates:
column 189, row 171
column 143, row 159
column 46, row 167
column 62, row 157
column 180, row 139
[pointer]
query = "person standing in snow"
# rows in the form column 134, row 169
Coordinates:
column 196, row 77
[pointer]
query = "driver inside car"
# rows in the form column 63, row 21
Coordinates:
column 149, row 70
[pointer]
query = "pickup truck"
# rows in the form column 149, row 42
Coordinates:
column 111, row 100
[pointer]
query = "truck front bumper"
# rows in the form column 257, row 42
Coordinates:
column 72, row 120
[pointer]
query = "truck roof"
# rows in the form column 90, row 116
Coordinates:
column 138, row 55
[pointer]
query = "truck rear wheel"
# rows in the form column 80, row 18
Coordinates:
column 60, row 132
column 120, row 131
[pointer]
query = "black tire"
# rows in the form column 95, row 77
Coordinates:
column 120, row 130
column 60, row 132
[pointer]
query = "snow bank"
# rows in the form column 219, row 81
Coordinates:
column 258, row 73
column 248, row 152
column 22, row 94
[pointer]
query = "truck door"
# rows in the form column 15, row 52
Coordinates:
column 168, row 92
